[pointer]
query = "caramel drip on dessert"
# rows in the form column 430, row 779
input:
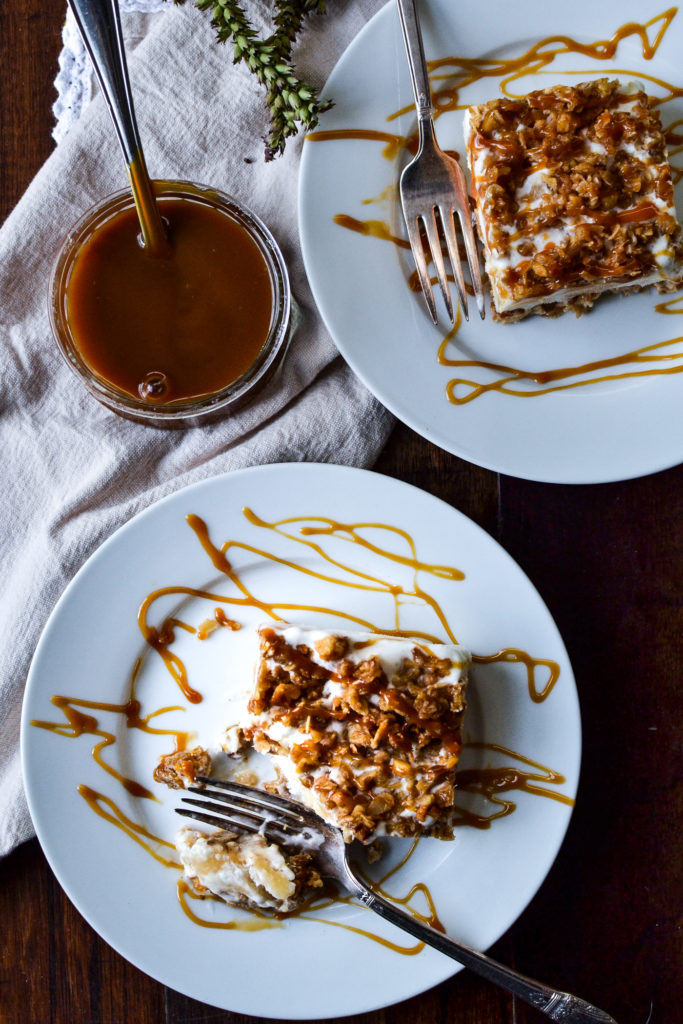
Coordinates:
column 674, row 142
column 459, row 73
column 514, row 654
column 489, row 783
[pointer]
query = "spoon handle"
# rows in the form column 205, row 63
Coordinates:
column 99, row 23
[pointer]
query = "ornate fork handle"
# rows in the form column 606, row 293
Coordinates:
column 416, row 60
column 558, row 1006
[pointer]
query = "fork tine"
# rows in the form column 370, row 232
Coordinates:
column 216, row 821
column 220, row 808
column 232, row 811
column 448, row 225
column 432, row 230
column 421, row 264
column 462, row 206
column 220, row 817
column 254, row 799
column 472, row 259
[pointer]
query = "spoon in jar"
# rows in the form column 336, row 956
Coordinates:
column 99, row 23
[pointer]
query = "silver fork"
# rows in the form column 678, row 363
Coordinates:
column 434, row 181
column 245, row 810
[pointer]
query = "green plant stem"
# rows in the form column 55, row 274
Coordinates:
column 292, row 103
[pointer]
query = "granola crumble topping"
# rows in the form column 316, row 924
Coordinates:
column 180, row 769
column 366, row 732
column 573, row 197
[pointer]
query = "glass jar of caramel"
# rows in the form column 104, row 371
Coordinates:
column 171, row 339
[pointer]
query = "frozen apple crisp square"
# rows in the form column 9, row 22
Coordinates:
column 573, row 197
column 365, row 729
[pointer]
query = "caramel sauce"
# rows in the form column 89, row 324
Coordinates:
column 78, row 724
column 393, row 946
column 255, row 923
column 540, row 56
column 488, row 783
column 461, row 72
column 564, row 378
column 393, row 143
column 515, row 655
column 105, row 808
column 373, row 228
column 431, row 918
column 173, row 325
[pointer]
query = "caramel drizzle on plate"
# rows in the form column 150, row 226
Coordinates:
column 319, row 904
column 345, row 576
column 77, row 723
column 254, row 923
column 106, row 808
column 540, row 56
column 659, row 359
column 489, row 783
column 461, row 390
column 515, row 655
column 396, row 548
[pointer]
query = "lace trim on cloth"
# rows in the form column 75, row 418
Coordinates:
column 74, row 81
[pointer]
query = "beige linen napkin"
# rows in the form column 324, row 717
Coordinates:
column 72, row 472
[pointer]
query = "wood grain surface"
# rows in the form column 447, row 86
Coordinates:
column 607, row 559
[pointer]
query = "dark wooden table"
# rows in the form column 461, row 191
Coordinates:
column 608, row 561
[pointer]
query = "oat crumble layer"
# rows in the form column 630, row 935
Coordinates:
column 364, row 728
column 573, row 197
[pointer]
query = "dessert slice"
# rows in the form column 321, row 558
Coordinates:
column 246, row 871
column 363, row 728
column 573, row 197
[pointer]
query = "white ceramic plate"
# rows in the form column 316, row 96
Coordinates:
column 608, row 429
column 480, row 882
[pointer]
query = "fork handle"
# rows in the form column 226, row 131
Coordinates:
column 558, row 1006
column 412, row 37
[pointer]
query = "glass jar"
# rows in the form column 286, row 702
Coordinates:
column 150, row 404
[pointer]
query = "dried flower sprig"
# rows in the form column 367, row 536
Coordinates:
column 292, row 103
